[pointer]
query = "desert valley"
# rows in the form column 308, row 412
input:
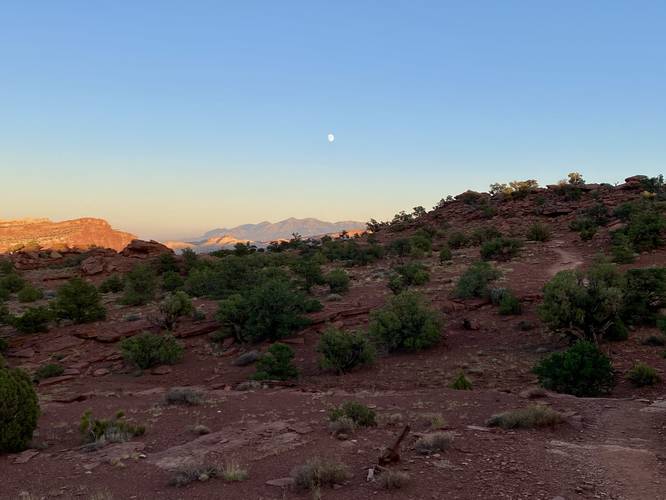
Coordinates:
column 509, row 344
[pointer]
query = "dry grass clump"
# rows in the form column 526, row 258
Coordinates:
column 318, row 472
column 526, row 418
column 233, row 471
column 188, row 475
column 183, row 396
column 433, row 442
column 344, row 426
column 393, row 479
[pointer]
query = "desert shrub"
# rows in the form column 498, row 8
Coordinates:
column 585, row 226
column 623, row 252
column 500, row 249
column 397, row 283
column 165, row 263
column 538, row 232
column 644, row 294
column 344, row 426
column 6, row 267
column 233, row 472
column 414, row 273
column 276, row 364
column 433, row 442
column 445, row 254
column 587, row 305
column 174, row 306
column 79, row 301
column 482, row 234
column 655, row 340
column 351, row 252
column 112, row 284
column 48, row 371
column 645, row 227
column 469, row 197
column 422, row 241
column 33, row 320
column 458, row 239
column 190, row 260
column 12, row 282
column 360, row 414
column 342, row 351
column 140, row 286
column 391, row 479
column 318, row 473
column 400, row 247
column 186, row 475
column 19, row 409
column 114, row 430
column 29, row 294
column 581, row 370
column 148, row 349
column 405, row 323
column 474, row 281
column 270, row 311
column 461, row 383
column 526, row 418
column 183, row 396
column 575, row 178
column 338, row 281
column 309, row 269
column 172, row 281
column 4, row 294
column 661, row 324
column 4, row 345
column 509, row 304
column 641, row 375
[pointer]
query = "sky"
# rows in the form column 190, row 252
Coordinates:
column 169, row 118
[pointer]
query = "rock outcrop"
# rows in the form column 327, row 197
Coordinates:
column 78, row 233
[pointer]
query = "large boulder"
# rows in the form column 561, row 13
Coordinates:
column 145, row 249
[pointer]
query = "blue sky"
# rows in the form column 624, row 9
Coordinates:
column 169, row 118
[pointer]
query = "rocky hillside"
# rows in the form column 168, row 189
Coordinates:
column 77, row 233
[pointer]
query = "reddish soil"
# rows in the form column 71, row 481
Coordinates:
column 609, row 447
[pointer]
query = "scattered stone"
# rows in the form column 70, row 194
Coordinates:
column 282, row 482
column 25, row 457
column 248, row 385
column 161, row 370
column 247, row 358
column 100, row 372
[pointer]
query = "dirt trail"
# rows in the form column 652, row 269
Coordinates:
column 567, row 259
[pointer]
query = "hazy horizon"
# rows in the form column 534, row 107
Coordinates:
column 171, row 119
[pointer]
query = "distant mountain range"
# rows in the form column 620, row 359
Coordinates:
column 263, row 233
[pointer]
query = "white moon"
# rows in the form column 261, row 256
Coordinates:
column 331, row 137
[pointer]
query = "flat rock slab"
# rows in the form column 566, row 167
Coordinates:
column 281, row 482
column 25, row 457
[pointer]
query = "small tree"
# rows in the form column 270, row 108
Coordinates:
column 79, row 301
column 19, row 409
column 174, row 306
column 405, row 323
column 474, row 281
column 33, row 320
column 112, row 284
column 585, row 305
column 140, row 286
column 500, row 249
column 342, row 351
column 29, row 294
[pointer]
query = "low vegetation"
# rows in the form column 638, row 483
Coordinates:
column 342, row 351
column 475, row 280
column 581, row 370
column 461, row 383
column 183, row 396
column 405, row 323
column 526, row 418
column 360, row 414
column 642, row 374
column 433, row 442
column 149, row 349
column 140, row 286
column 79, row 301
column 19, row 409
column 48, row 371
column 276, row 364
column 114, row 430
column 319, row 473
